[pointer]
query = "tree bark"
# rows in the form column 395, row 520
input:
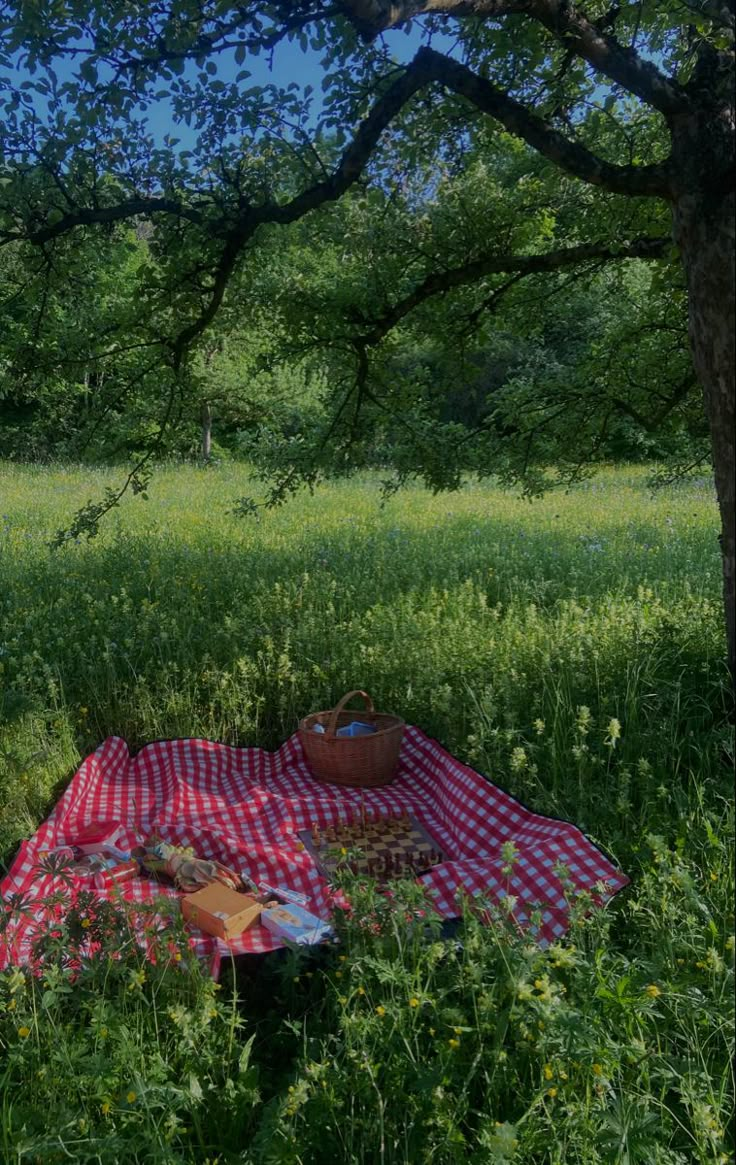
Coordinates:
column 206, row 419
column 705, row 231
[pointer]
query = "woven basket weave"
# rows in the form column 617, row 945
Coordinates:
column 362, row 761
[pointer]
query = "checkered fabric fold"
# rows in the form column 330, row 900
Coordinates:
column 243, row 807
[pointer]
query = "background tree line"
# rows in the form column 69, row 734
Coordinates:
column 496, row 382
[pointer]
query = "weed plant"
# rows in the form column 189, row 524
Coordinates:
column 571, row 649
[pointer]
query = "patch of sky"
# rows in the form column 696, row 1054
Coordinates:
column 226, row 100
column 172, row 111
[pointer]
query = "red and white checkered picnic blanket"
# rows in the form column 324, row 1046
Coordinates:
column 243, row 807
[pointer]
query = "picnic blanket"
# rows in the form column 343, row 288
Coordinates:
column 244, row 806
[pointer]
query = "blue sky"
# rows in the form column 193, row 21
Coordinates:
column 288, row 63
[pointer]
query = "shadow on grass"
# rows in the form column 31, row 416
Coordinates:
column 473, row 629
column 125, row 613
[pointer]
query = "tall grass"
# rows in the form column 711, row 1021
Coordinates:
column 571, row 649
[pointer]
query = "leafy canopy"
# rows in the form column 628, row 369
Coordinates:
column 394, row 202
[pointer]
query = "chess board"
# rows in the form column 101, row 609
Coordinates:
column 382, row 848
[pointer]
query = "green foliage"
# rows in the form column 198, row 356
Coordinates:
column 305, row 309
column 491, row 1049
column 570, row 648
column 117, row 1052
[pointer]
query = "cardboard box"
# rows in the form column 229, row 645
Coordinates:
column 296, row 924
column 220, row 911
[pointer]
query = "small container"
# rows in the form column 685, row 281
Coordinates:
column 220, row 911
column 295, row 924
column 103, row 872
column 357, row 729
column 115, row 874
column 106, row 837
column 283, row 894
column 362, row 760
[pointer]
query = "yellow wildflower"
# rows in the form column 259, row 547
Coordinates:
column 413, row 1002
column 548, row 1072
column 653, row 991
column 131, row 1097
column 454, row 1043
column 23, row 1032
column 380, row 1010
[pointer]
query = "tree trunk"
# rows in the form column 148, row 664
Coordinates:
column 705, row 231
column 206, row 418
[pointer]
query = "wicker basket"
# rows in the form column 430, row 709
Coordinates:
column 362, row 761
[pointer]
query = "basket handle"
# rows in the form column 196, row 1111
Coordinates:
column 332, row 723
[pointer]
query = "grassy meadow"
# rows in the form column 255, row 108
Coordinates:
column 572, row 649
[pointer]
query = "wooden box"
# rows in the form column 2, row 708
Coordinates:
column 219, row 911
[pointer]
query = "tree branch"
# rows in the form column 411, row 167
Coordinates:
column 355, row 158
column 350, row 167
column 438, row 282
column 427, row 66
column 235, row 234
column 97, row 215
column 541, row 135
column 218, row 36
column 580, row 35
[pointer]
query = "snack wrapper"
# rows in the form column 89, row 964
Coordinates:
column 295, row 924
